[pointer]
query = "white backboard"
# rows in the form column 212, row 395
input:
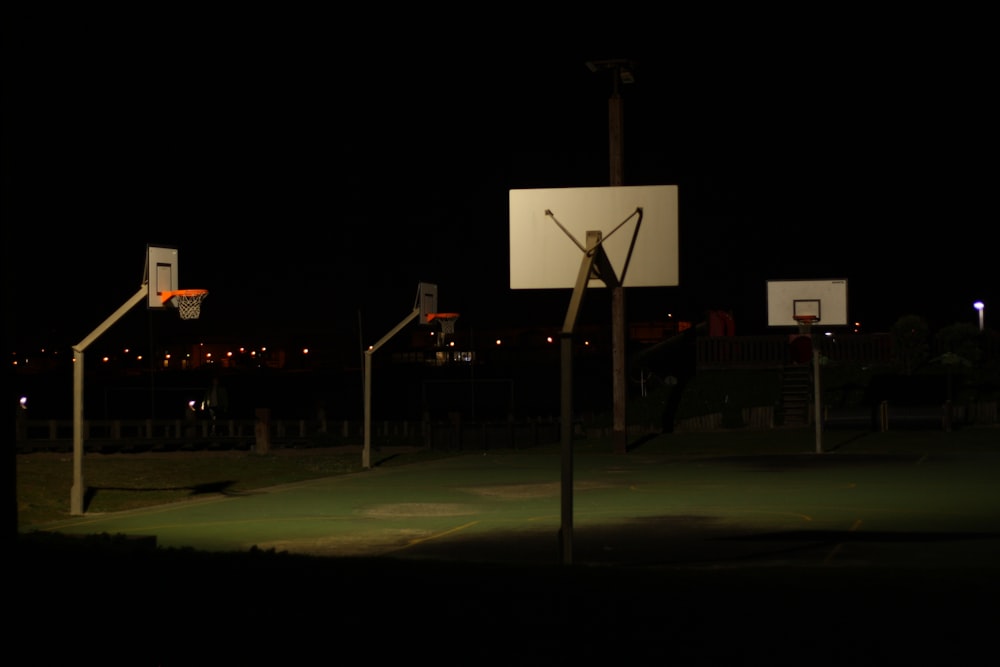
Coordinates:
column 161, row 273
column 825, row 299
column 427, row 298
column 543, row 256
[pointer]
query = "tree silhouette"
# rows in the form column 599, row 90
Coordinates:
column 959, row 345
column 911, row 343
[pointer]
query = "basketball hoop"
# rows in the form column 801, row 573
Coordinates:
column 805, row 321
column 186, row 301
column 447, row 321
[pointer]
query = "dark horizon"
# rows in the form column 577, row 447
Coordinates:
column 309, row 188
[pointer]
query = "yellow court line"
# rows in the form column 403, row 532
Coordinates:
column 443, row 534
column 833, row 552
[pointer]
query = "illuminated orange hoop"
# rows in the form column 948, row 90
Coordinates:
column 805, row 321
column 186, row 301
column 447, row 321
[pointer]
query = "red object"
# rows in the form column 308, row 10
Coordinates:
column 720, row 323
column 801, row 348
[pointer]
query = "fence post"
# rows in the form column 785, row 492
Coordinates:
column 262, row 431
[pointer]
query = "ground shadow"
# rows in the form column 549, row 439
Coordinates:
column 196, row 490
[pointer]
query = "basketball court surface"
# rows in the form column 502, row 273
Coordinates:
column 884, row 549
column 870, row 500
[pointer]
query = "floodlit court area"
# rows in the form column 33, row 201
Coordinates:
column 674, row 500
column 699, row 546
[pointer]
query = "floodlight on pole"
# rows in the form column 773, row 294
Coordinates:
column 978, row 305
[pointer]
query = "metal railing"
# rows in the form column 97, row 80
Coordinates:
column 776, row 351
column 112, row 435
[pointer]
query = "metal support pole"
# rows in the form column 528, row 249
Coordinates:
column 566, row 446
column 615, row 134
column 619, row 434
column 816, row 397
column 77, row 491
column 566, row 402
column 366, row 456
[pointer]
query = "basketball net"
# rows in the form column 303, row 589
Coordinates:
column 805, row 322
column 188, row 303
column 447, row 324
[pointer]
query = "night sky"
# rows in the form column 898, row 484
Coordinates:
column 313, row 172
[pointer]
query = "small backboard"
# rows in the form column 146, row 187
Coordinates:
column 161, row 274
column 427, row 300
column 790, row 303
column 548, row 233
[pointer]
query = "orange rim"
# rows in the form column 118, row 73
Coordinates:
column 441, row 316
column 167, row 296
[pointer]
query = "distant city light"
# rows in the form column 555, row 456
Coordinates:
column 980, row 306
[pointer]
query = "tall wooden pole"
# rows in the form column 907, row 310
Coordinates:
column 619, row 437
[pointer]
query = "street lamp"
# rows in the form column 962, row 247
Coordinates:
column 621, row 73
column 979, row 306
